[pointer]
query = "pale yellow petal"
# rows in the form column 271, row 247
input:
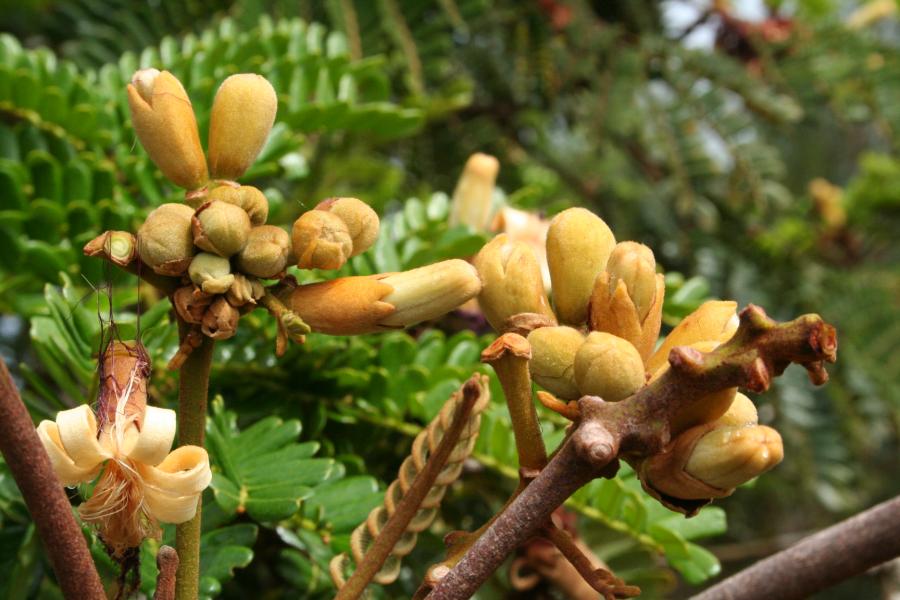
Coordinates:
column 713, row 321
column 78, row 432
column 171, row 509
column 154, row 441
column 173, row 487
column 65, row 468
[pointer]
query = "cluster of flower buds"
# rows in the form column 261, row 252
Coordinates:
column 125, row 446
column 220, row 246
column 598, row 338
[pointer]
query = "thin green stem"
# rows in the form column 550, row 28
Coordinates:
column 192, row 397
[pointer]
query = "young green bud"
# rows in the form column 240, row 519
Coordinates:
column 165, row 124
column 714, row 321
column 361, row 221
column 633, row 264
column 321, row 240
column 429, row 292
column 474, row 192
column 211, row 272
column 242, row 116
column 221, row 228
column 727, row 457
column 609, row 367
column 266, row 252
column 220, row 320
column 578, row 246
column 164, row 241
column 251, row 199
column 512, row 281
column 552, row 363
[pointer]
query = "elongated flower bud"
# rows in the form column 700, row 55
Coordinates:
column 552, row 363
column 355, row 305
column 512, row 282
column 251, row 199
column 474, row 192
column 578, row 246
column 220, row 228
column 727, row 457
column 165, row 242
column 321, row 240
column 211, row 272
column 164, row 121
column 266, row 252
column 714, row 321
column 361, row 221
column 242, row 116
column 633, row 265
column 608, row 367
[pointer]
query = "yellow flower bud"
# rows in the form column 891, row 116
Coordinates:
column 578, row 246
column 474, row 192
column 741, row 412
column 165, row 242
column 242, row 116
column 321, row 240
column 355, row 305
column 164, row 122
column 211, row 272
column 609, row 367
column 251, row 199
column 266, row 252
column 726, row 457
column 633, row 264
column 552, row 363
column 220, row 320
column 221, row 228
column 361, row 221
column 512, row 281
column 714, row 321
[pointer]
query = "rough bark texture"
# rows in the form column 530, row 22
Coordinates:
column 167, row 563
column 52, row 513
column 820, row 561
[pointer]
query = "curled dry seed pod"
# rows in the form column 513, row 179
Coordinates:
column 627, row 297
column 266, row 252
column 191, row 303
column 242, row 116
column 251, row 199
column 474, row 192
column 425, row 445
column 361, row 221
column 165, row 124
column 165, row 242
column 355, row 305
column 578, row 246
column 220, row 228
column 511, row 281
column 119, row 247
column 220, row 320
column 552, row 363
column 321, row 240
column 713, row 321
column 244, row 290
column 609, row 367
column 211, row 272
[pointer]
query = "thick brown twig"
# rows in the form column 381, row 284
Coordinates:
column 602, row 580
column 819, row 561
column 167, row 563
column 641, row 426
column 43, row 493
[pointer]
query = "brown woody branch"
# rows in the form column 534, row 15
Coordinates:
column 641, row 426
column 43, row 493
column 819, row 561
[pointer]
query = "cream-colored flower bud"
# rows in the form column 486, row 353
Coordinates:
column 165, row 242
column 242, row 116
column 361, row 221
column 321, row 240
column 511, row 281
column 727, row 457
column 474, row 192
column 578, row 247
column 552, row 363
column 634, row 265
column 164, row 122
column 211, row 272
column 355, row 305
column 221, row 228
column 251, row 199
column 741, row 412
column 220, row 320
column 266, row 252
column 609, row 367
column 191, row 303
column 714, row 321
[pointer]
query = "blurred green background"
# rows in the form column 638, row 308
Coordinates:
column 753, row 145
